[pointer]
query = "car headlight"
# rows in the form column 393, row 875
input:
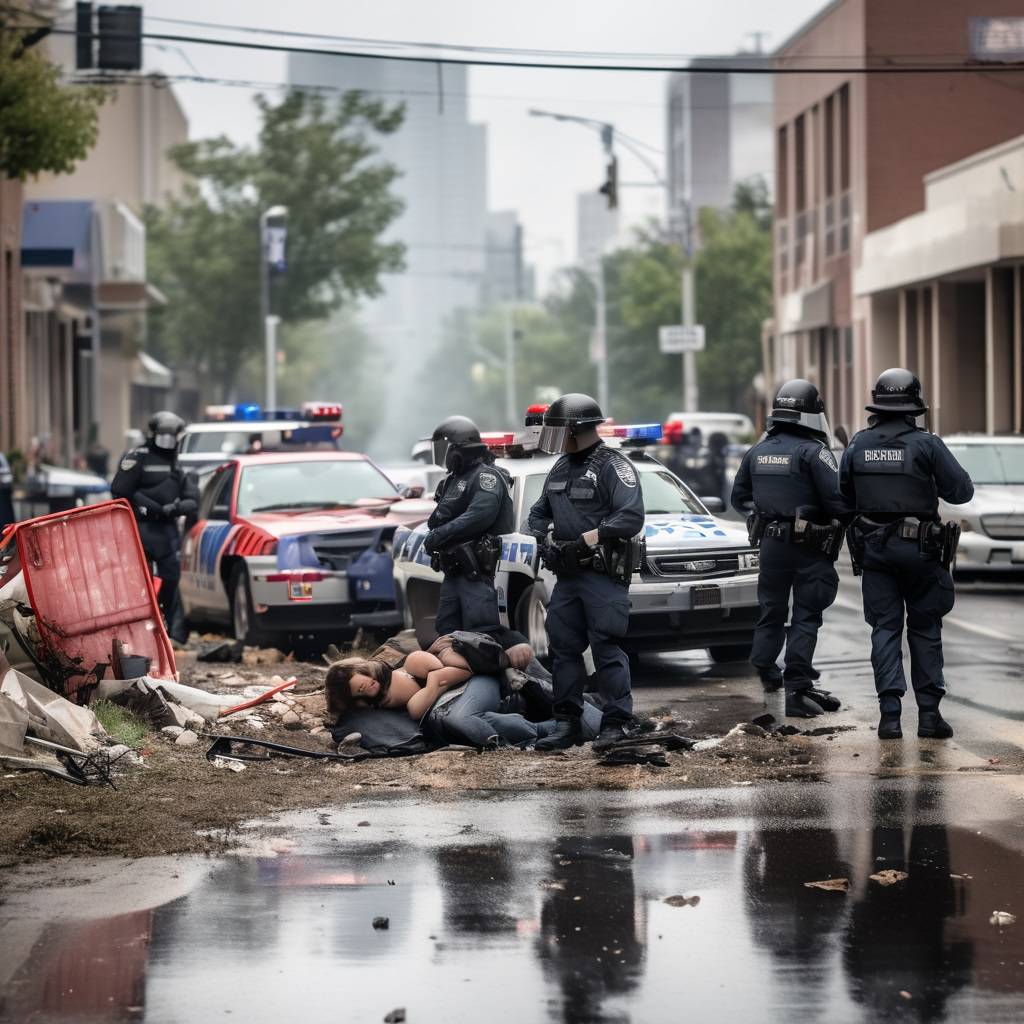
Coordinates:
column 750, row 560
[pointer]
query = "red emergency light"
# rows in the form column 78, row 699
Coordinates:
column 322, row 411
column 535, row 415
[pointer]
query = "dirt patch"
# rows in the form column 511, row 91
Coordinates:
column 181, row 803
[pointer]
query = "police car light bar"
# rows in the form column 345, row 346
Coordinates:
column 498, row 440
column 637, row 433
column 322, row 411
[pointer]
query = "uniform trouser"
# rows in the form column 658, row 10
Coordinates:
column 899, row 585
column 811, row 579
column 474, row 718
column 466, row 604
column 589, row 609
column 162, row 544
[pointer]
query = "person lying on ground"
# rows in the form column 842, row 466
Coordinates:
column 435, row 689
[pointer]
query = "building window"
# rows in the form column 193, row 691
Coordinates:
column 844, row 138
column 800, row 162
column 782, row 250
column 844, row 222
column 830, row 142
column 782, row 172
column 830, row 228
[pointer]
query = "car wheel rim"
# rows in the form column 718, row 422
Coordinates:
column 241, row 613
column 537, row 621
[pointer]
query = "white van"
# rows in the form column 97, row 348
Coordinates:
column 737, row 427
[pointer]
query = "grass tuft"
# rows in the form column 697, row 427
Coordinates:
column 121, row 724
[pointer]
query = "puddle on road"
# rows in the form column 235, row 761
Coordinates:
column 491, row 919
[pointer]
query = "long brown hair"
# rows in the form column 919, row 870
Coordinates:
column 338, row 684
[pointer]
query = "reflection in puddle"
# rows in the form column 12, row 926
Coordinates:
column 573, row 928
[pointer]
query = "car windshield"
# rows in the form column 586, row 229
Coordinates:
column 991, row 463
column 313, row 484
column 663, row 494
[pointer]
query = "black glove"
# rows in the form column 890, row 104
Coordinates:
column 170, row 510
column 430, row 544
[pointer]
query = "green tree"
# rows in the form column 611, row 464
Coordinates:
column 312, row 156
column 44, row 125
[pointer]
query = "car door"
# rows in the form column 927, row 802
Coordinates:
column 202, row 591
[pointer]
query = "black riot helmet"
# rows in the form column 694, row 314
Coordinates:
column 798, row 404
column 566, row 417
column 456, row 444
column 164, row 430
column 898, row 391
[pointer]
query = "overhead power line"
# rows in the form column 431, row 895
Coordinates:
column 761, row 67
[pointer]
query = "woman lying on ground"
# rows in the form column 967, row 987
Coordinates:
column 437, row 689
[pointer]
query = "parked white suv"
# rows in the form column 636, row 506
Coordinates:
column 696, row 589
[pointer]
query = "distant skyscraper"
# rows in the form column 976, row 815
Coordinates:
column 507, row 277
column 727, row 119
column 443, row 162
column 596, row 226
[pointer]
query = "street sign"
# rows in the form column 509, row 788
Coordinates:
column 673, row 340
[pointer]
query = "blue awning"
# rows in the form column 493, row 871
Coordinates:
column 56, row 233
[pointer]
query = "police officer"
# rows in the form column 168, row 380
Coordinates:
column 788, row 486
column 159, row 492
column 474, row 507
column 893, row 474
column 594, row 506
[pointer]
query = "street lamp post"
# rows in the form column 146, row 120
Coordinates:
column 272, row 257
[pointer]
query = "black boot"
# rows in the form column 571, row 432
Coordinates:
column 567, row 733
column 801, row 704
column 613, row 731
column 931, row 725
column 823, row 698
column 889, row 726
column 771, row 679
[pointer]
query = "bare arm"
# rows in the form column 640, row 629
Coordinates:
column 438, row 681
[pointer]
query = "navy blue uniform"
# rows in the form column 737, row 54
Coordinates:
column 594, row 489
column 159, row 492
column 891, row 471
column 784, row 472
column 473, row 504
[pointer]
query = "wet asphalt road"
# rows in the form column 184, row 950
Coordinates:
column 551, row 907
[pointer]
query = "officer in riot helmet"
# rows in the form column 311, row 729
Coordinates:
column 788, row 488
column 474, row 508
column 160, row 492
column 588, row 521
column 893, row 474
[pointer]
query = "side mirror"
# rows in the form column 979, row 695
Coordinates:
column 714, row 505
column 841, row 436
column 415, row 491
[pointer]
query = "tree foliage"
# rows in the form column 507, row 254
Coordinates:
column 44, row 124
column 642, row 293
column 315, row 158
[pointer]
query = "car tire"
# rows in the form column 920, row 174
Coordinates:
column 531, row 616
column 722, row 653
column 243, row 615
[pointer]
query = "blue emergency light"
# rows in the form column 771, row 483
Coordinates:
column 248, row 411
column 636, row 433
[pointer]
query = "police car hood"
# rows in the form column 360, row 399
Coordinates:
column 988, row 499
column 694, row 531
column 289, row 524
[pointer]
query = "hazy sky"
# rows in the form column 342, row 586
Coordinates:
column 535, row 166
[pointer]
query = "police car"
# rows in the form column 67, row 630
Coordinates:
column 239, row 429
column 696, row 589
column 295, row 545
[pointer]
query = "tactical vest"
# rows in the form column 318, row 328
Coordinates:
column 892, row 474
column 780, row 481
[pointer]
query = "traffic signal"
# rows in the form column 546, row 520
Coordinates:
column 119, row 35
column 611, row 186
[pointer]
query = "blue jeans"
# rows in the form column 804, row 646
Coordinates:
column 473, row 717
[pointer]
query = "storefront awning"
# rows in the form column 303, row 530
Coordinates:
column 151, row 373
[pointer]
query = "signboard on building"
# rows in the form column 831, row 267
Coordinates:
column 997, row 39
column 675, row 339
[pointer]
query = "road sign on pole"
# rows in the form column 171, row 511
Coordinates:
column 675, row 339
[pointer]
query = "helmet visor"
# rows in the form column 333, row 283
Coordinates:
column 166, row 442
column 553, row 439
column 816, row 421
column 439, row 450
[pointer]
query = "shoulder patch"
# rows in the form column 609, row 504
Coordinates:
column 488, row 481
column 129, row 462
column 625, row 471
column 828, row 458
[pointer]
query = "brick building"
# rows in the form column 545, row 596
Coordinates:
column 855, row 154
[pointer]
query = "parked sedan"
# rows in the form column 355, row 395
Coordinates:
column 993, row 521
column 293, row 545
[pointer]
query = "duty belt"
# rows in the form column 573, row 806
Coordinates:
column 824, row 539
column 934, row 539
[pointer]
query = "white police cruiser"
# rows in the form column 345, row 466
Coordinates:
column 696, row 589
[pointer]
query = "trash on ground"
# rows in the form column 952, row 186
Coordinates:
column 830, row 885
column 230, row 763
column 221, row 651
column 889, row 877
column 682, row 901
column 1002, row 918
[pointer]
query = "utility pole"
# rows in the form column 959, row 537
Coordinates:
column 690, row 399
column 601, row 335
column 272, row 258
column 510, row 363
